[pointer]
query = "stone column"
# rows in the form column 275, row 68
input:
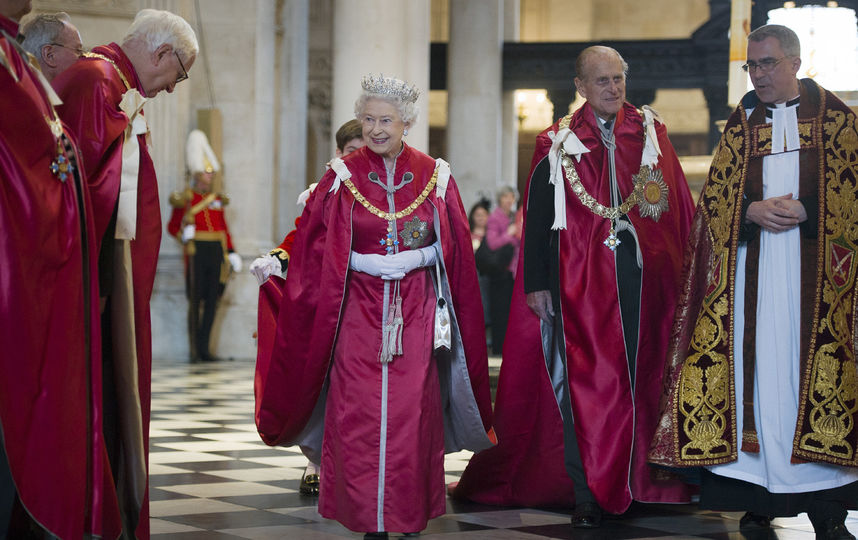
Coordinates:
column 380, row 36
column 243, row 71
column 250, row 112
column 509, row 115
column 474, row 96
column 293, row 69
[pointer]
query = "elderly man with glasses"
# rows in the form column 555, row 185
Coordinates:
column 103, row 96
column 762, row 389
column 54, row 41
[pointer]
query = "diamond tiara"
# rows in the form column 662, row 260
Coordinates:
column 389, row 86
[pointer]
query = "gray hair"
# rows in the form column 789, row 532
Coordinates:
column 593, row 50
column 154, row 27
column 43, row 30
column 506, row 190
column 785, row 36
column 394, row 91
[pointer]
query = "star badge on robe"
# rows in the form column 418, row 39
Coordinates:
column 414, row 233
column 652, row 192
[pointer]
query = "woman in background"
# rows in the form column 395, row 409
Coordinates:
column 503, row 235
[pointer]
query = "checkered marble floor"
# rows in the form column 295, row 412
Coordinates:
column 212, row 478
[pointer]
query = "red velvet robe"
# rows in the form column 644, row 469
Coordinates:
column 50, row 391
column 614, row 426
column 91, row 91
column 329, row 333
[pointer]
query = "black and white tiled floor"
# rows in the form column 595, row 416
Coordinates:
column 212, row 478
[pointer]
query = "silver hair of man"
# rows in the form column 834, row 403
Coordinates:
column 155, row 27
column 593, row 50
column 408, row 110
column 43, row 29
column 785, row 36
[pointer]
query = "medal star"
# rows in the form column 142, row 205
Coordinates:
column 61, row 168
column 612, row 241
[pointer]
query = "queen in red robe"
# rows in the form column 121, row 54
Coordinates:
column 353, row 375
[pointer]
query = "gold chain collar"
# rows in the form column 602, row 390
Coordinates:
column 388, row 216
column 607, row 212
column 112, row 63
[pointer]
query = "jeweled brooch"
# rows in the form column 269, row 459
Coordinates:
column 414, row 233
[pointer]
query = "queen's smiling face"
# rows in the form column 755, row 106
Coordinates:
column 383, row 127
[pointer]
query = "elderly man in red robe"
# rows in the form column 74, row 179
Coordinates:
column 54, row 476
column 103, row 96
column 607, row 214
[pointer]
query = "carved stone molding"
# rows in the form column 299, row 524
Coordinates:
column 116, row 8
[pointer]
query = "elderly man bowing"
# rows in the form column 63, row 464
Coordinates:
column 607, row 214
column 54, row 41
column 103, row 96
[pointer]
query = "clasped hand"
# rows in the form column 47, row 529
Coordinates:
column 777, row 214
column 392, row 266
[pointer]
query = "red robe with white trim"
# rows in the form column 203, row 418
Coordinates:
column 91, row 91
column 613, row 423
column 377, row 419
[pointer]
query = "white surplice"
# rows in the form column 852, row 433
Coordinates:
column 778, row 354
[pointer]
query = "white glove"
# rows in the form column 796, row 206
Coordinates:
column 394, row 266
column 406, row 261
column 188, row 233
column 370, row 263
column 264, row 267
column 235, row 261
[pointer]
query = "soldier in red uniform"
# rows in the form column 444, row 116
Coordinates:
column 198, row 223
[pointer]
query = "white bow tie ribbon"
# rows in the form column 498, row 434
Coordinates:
column 572, row 146
column 126, row 216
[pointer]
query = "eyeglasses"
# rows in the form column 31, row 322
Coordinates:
column 184, row 75
column 766, row 65
column 79, row 51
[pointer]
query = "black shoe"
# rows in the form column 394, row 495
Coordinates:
column 833, row 529
column 310, row 484
column 587, row 515
column 754, row 521
column 375, row 536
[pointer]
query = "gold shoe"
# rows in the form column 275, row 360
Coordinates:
column 309, row 484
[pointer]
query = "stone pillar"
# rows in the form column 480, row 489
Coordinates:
column 474, row 96
column 380, row 36
column 293, row 70
column 247, row 98
column 509, row 115
column 243, row 71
